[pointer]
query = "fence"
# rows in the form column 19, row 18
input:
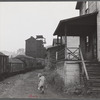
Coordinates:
column 71, row 53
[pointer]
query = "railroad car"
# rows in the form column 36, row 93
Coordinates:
column 18, row 64
column 3, row 65
column 15, row 66
column 29, row 62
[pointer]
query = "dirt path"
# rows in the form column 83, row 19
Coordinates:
column 24, row 86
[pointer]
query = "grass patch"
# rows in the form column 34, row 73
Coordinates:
column 54, row 80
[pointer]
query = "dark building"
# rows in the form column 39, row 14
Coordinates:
column 3, row 63
column 35, row 48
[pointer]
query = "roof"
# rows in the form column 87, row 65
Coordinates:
column 25, row 56
column 31, row 38
column 48, row 46
column 39, row 36
column 78, row 5
column 52, row 47
column 14, row 60
column 77, row 26
column 1, row 54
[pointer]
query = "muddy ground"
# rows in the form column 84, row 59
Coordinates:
column 25, row 86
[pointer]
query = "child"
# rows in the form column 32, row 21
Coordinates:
column 41, row 84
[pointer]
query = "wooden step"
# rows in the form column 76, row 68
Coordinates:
column 93, row 72
column 94, row 77
column 94, row 80
column 92, row 64
column 93, row 69
column 96, row 85
column 95, row 89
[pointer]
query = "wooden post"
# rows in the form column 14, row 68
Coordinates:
column 65, row 63
column 65, row 44
column 56, row 55
column 57, row 39
column 61, row 40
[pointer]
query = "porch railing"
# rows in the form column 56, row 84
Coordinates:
column 60, row 55
column 72, row 54
column 84, row 71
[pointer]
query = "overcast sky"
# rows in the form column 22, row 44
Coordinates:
column 20, row 20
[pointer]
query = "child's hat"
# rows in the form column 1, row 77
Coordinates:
column 39, row 74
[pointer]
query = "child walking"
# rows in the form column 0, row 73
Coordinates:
column 41, row 84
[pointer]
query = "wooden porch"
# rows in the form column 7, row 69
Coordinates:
column 85, row 55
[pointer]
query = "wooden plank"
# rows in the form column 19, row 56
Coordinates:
column 84, row 66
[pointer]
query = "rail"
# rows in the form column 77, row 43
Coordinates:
column 73, row 53
column 83, row 63
column 60, row 55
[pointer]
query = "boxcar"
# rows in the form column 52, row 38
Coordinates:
column 3, row 64
column 29, row 62
column 15, row 65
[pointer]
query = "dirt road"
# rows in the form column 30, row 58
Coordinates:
column 24, row 86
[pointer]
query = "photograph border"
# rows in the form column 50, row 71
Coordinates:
column 43, row 1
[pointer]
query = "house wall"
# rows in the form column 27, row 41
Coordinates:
column 82, row 9
column 98, row 30
column 82, row 45
column 95, row 6
column 89, row 53
column 70, row 73
column 92, row 7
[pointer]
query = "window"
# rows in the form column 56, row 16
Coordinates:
column 87, row 43
column 86, row 10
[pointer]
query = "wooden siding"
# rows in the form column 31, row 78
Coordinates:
column 3, row 64
column 92, row 6
column 98, row 30
column 82, row 10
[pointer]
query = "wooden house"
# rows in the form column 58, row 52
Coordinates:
column 80, row 65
